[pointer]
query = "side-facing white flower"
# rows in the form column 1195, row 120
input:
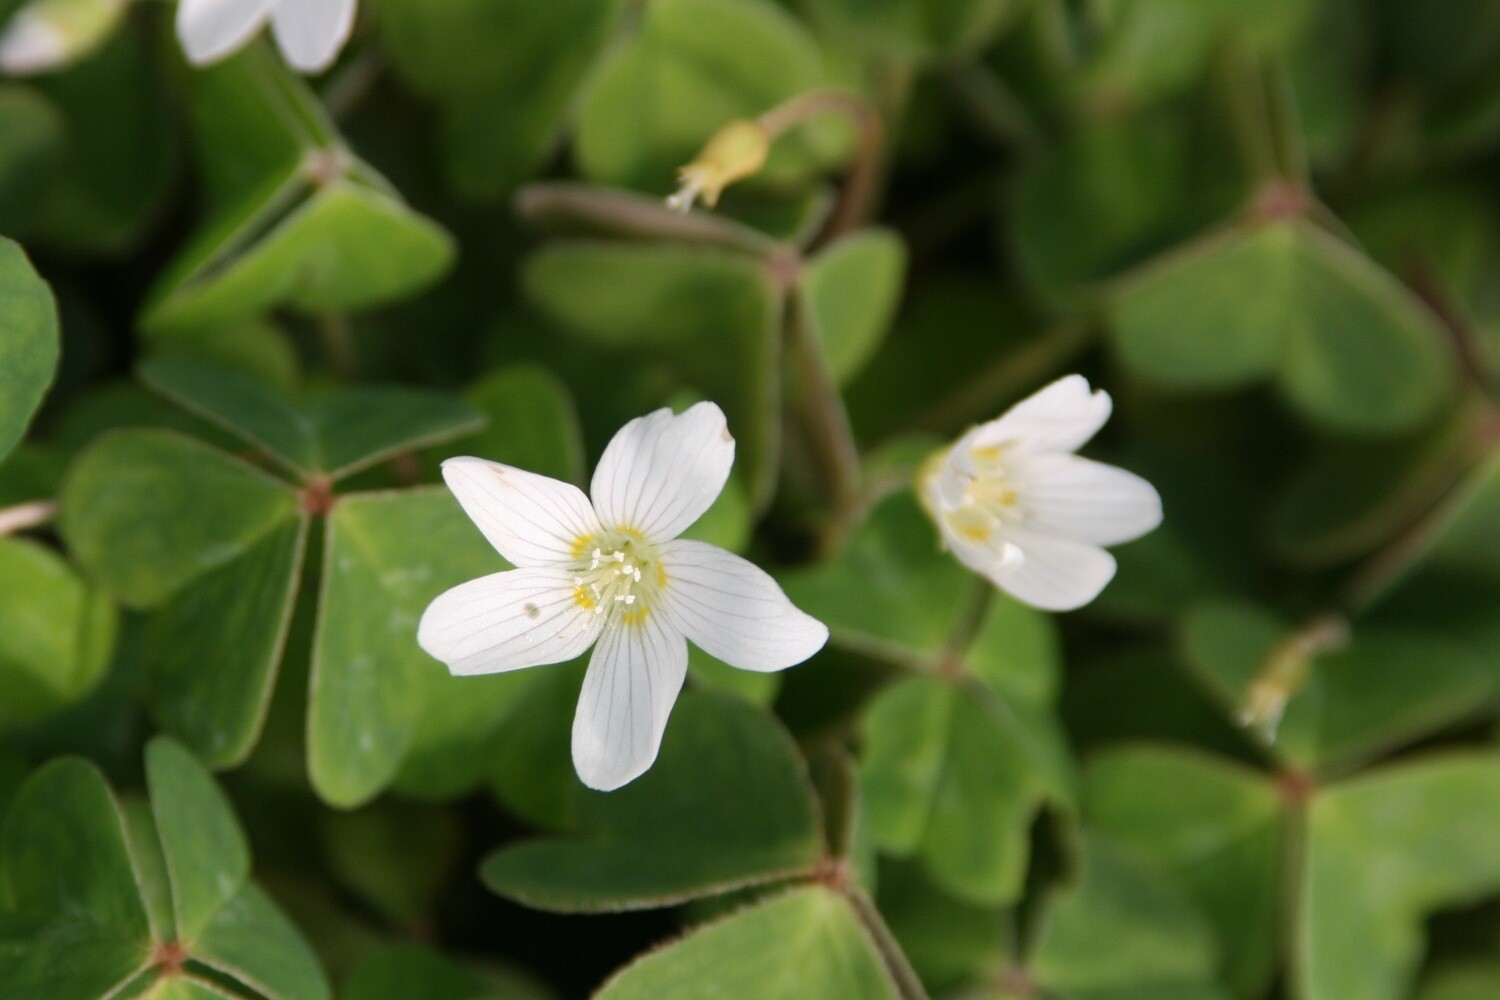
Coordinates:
column 615, row 571
column 1017, row 506
column 310, row 33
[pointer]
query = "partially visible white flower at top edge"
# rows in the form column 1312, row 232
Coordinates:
column 614, row 571
column 46, row 35
column 1015, row 504
column 310, row 33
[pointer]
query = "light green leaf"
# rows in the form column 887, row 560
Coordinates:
column 253, row 118
column 1124, row 930
column 946, row 778
column 146, row 512
column 207, row 857
column 252, row 941
column 850, row 292
column 665, row 838
column 1388, row 686
column 56, row 632
column 1351, row 348
column 28, row 343
column 1383, row 852
column 1220, row 832
column 312, row 243
column 388, row 555
column 806, row 943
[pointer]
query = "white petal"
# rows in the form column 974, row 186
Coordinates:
column 212, row 29
column 1061, row 417
column 532, row 520
column 660, row 473
column 1056, row 574
column 632, row 682
column 311, row 32
column 31, row 44
column 1072, row 497
column 733, row 610
column 992, row 557
column 506, row 621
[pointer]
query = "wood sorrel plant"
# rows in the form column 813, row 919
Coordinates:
column 326, row 310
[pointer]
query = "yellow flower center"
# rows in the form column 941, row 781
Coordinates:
column 617, row 573
column 990, row 501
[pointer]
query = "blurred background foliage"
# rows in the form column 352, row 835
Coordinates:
column 1262, row 765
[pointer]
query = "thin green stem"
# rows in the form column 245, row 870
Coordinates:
column 950, row 662
column 908, row 983
column 571, row 208
column 821, row 413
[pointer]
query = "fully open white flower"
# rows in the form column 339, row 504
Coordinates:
column 309, row 32
column 616, row 572
column 1016, row 505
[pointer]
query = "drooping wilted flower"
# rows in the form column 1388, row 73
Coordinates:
column 1016, row 505
column 614, row 571
column 310, row 33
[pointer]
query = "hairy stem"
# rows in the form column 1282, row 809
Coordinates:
column 820, row 410
column 573, row 208
column 856, row 200
column 908, row 984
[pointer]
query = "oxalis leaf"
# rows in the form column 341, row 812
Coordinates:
column 805, row 943
column 1350, row 347
column 1389, row 685
column 334, row 433
column 669, row 836
column 28, row 343
column 88, row 876
column 387, row 556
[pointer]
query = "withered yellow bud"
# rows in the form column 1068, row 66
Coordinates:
column 736, row 151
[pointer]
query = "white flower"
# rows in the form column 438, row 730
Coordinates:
column 46, row 35
column 309, row 32
column 1017, row 506
column 615, row 571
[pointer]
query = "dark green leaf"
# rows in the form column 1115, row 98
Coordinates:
column 214, row 648
column 665, row 838
column 28, row 343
